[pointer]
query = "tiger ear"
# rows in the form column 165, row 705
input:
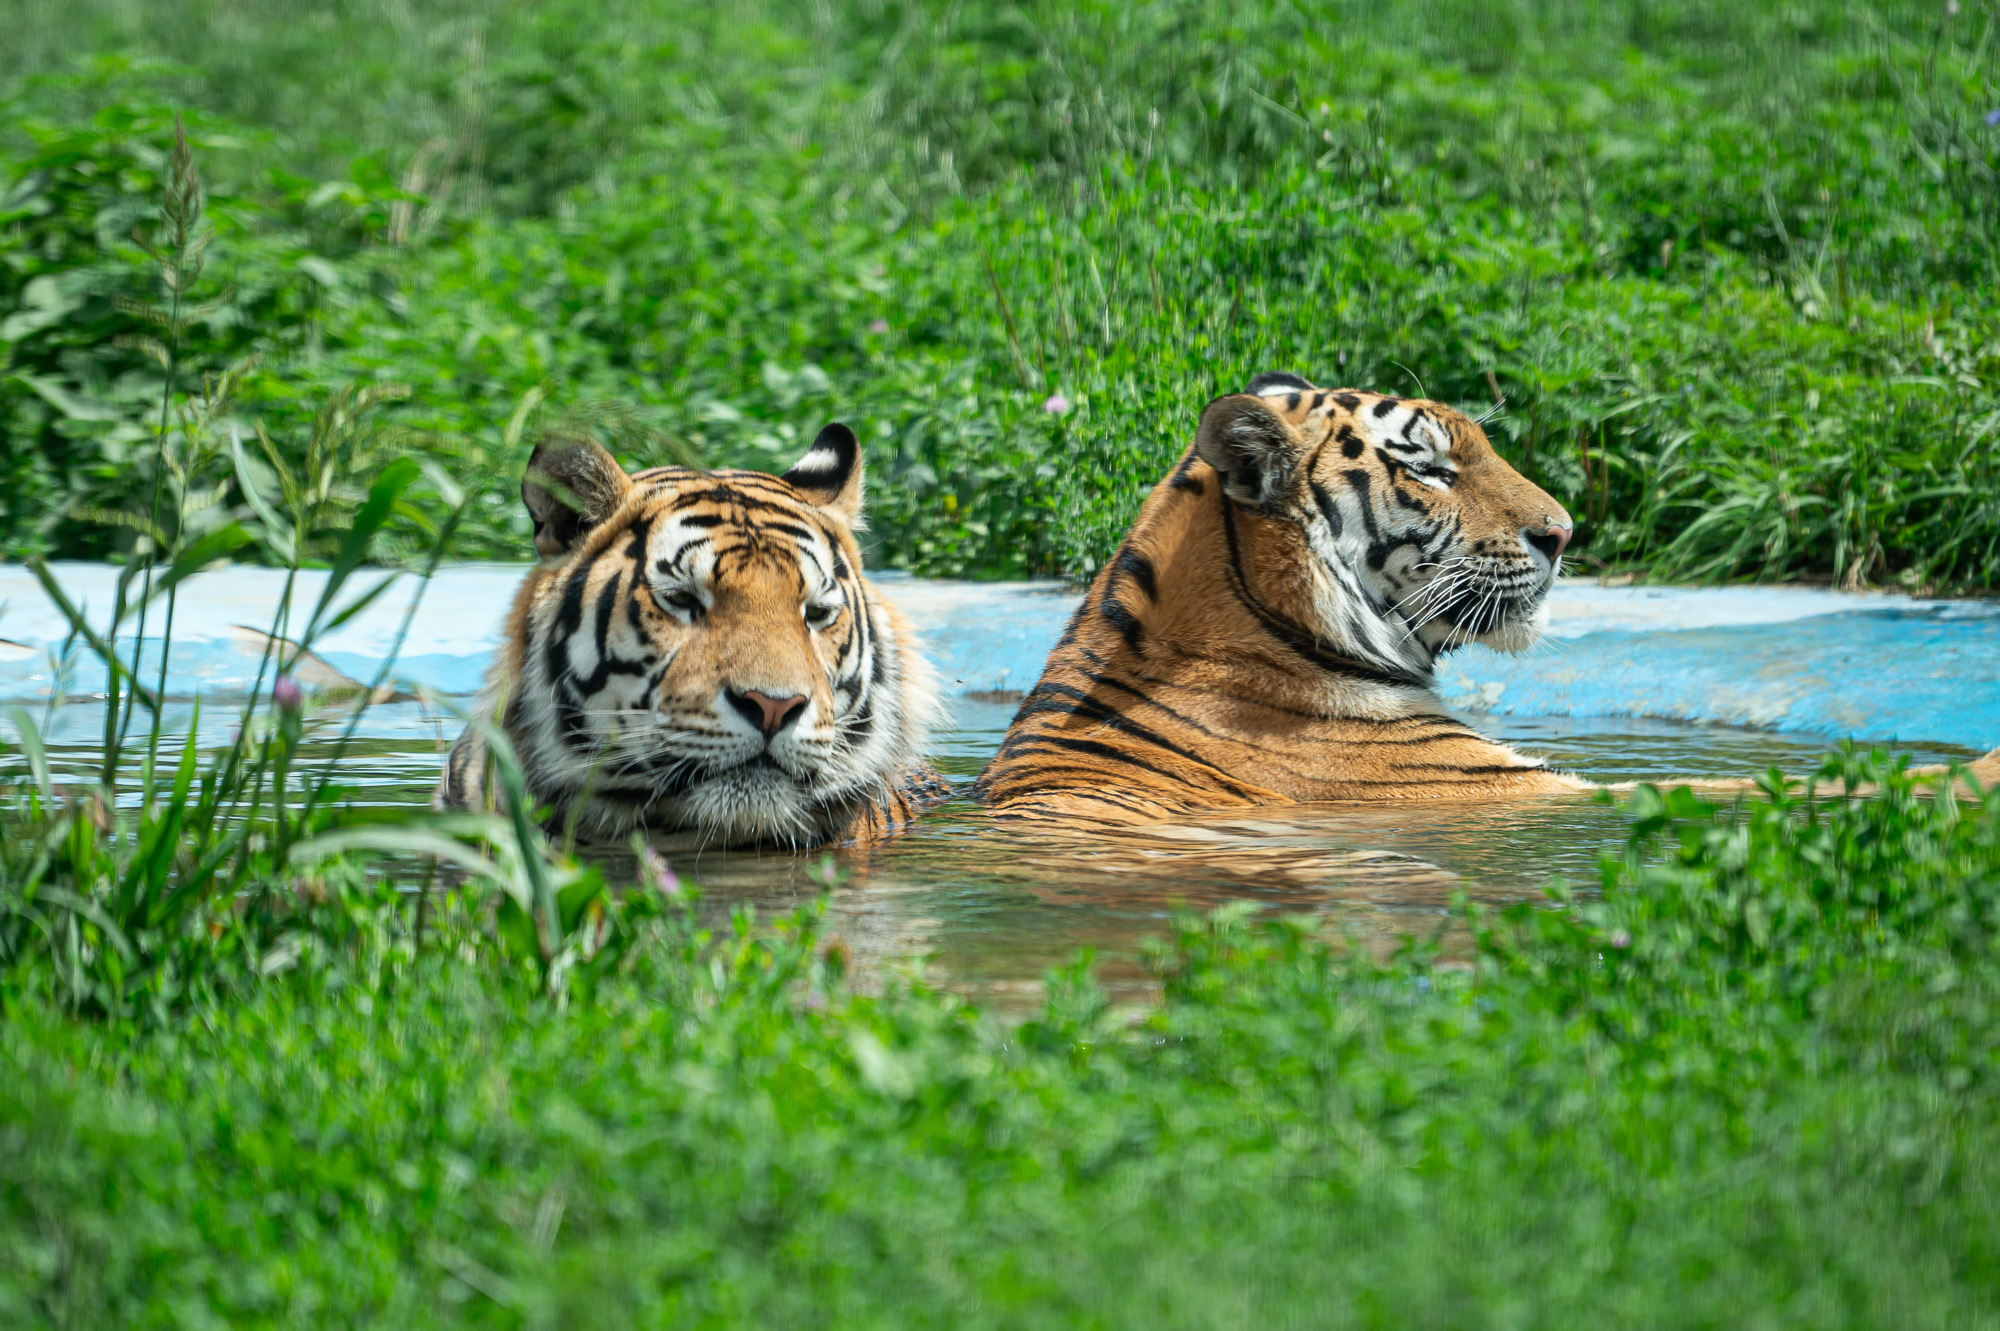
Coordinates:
column 571, row 486
column 829, row 474
column 1251, row 446
column 1278, row 381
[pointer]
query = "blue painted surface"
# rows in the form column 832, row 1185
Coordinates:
column 1881, row 675
column 1794, row 659
column 985, row 637
column 438, row 671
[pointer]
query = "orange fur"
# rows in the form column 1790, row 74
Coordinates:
column 1205, row 669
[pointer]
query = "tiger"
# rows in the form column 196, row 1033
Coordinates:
column 699, row 656
column 1268, row 630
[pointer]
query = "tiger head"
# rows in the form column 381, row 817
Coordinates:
column 699, row 650
column 1415, row 536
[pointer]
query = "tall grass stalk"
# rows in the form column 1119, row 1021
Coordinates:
column 183, row 239
column 140, row 911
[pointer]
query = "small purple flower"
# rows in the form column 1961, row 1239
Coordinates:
column 1621, row 940
column 659, row 875
column 1057, row 405
column 287, row 694
column 879, row 327
column 1993, row 116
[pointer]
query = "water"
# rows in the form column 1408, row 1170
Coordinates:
column 1755, row 677
column 993, row 911
column 987, row 912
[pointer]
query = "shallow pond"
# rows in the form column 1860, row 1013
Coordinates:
column 990, row 912
column 1633, row 683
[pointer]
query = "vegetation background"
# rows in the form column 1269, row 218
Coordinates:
column 1727, row 271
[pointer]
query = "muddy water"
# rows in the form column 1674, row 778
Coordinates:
column 988, row 912
column 991, row 911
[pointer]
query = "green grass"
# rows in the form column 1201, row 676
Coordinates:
column 1731, row 266
column 1751, row 1085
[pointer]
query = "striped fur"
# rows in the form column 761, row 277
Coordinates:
column 699, row 654
column 1266, row 633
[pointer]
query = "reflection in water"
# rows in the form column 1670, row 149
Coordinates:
column 992, row 909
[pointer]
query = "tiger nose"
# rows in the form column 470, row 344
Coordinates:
column 768, row 714
column 1552, row 539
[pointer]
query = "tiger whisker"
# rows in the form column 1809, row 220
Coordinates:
column 1434, row 599
column 1437, row 586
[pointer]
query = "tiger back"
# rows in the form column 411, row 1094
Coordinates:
column 699, row 655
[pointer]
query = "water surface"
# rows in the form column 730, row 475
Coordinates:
column 987, row 911
column 1757, row 677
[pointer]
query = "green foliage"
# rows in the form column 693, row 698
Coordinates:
column 96, row 323
column 1751, row 1081
column 1730, row 267
column 138, row 898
